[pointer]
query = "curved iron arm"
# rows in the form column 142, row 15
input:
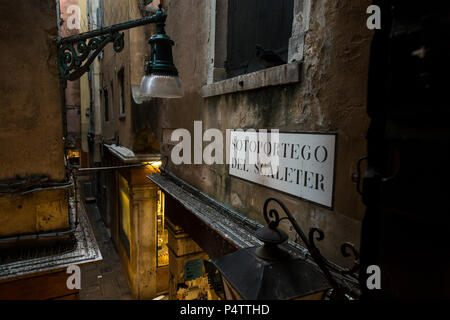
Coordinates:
column 72, row 55
column 273, row 220
column 76, row 53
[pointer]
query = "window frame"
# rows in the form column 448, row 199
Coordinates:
column 122, row 100
column 257, row 22
column 216, row 82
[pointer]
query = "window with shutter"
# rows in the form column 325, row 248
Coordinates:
column 258, row 34
column 255, row 44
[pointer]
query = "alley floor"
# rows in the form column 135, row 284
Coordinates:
column 105, row 280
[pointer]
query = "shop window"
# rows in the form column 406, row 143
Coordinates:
column 73, row 157
column 202, row 281
column 161, row 232
column 124, row 214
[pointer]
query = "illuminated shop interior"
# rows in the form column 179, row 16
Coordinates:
column 162, row 235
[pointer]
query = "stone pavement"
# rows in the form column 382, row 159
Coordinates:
column 106, row 280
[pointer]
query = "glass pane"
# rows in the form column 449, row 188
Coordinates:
column 124, row 207
column 162, row 235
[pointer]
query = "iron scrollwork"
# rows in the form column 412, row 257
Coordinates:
column 273, row 220
column 347, row 250
column 75, row 58
column 76, row 53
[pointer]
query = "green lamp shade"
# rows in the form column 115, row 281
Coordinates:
column 161, row 79
column 161, row 86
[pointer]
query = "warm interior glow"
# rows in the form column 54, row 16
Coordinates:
column 72, row 154
column 124, row 207
column 162, row 249
column 161, row 86
column 155, row 164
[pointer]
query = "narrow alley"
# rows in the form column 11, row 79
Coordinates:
column 224, row 150
column 105, row 280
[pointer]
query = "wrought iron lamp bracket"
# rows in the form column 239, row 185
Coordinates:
column 315, row 234
column 78, row 52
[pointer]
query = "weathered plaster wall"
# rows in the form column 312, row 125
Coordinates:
column 31, row 134
column 116, row 130
column 68, row 13
column 85, row 93
column 137, row 129
column 30, row 114
column 73, row 87
column 32, row 213
column 330, row 97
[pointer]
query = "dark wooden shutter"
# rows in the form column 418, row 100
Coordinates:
column 250, row 22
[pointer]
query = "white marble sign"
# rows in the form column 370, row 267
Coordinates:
column 300, row 164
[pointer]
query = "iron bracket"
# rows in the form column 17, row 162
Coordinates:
column 77, row 53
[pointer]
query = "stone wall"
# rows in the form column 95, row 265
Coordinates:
column 330, row 97
column 31, row 138
column 137, row 128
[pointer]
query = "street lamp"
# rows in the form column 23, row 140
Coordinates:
column 161, row 79
column 270, row 272
column 76, row 54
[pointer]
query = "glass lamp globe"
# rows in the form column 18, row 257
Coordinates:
column 161, row 86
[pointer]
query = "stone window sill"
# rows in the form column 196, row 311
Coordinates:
column 279, row 75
